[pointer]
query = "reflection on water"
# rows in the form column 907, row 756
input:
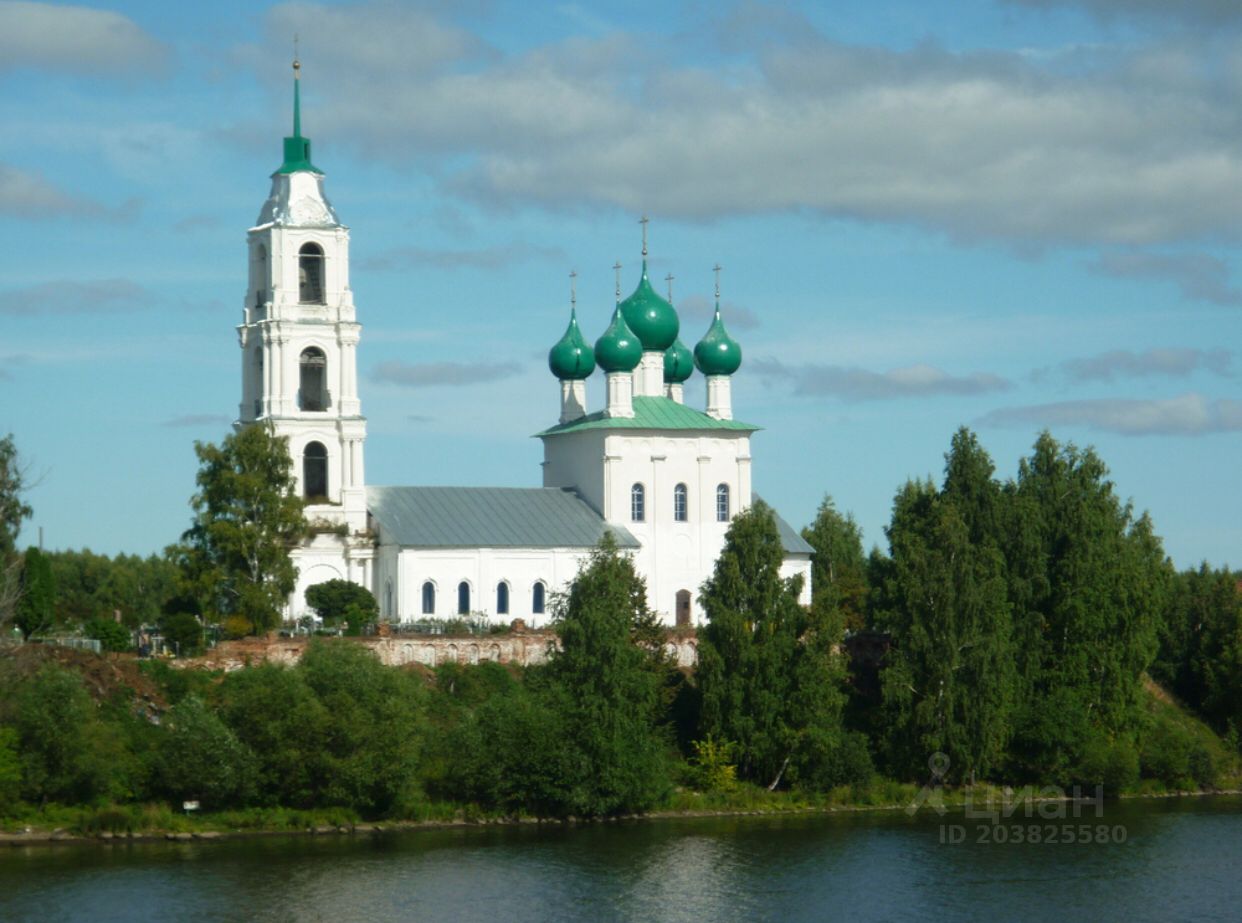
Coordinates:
column 1179, row 860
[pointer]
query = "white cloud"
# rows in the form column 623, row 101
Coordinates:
column 97, row 296
column 1094, row 147
column 1169, row 362
column 484, row 258
column 1187, row 415
column 29, row 195
column 74, row 39
column 855, row 384
column 1203, row 12
column 1199, row 276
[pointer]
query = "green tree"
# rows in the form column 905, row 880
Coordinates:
column 10, row 769
column 768, row 671
column 110, row 635
column 12, row 508
column 183, row 632
column 839, row 569
column 604, row 683
column 1088, row 582
column 334, row 598
column 68, row 753
column 36, row 607
column 372, row 739
column 235, row 558
column 949, row 684
column 201, row 759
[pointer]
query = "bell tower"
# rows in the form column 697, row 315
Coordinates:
column 299, row 337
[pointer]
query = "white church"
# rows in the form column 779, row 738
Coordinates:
column 664, row 478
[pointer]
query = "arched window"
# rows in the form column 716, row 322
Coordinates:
column 260, row 385
column 502, row 598
column 260, row 272
column 683, row 608
column 638, row 503
column 537, row 598
column 429, row 598
column 310, row 274
column 315, row 471
column 722, row 503
column 463, row 598
column 313, row 391
column 679, row 503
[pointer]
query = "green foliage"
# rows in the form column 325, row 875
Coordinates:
column 247, row 517
column 10, row 769
column 201, row 759
column 110, row 635
column 334, row 599
column 604, row 683
column 36, row 607
column 712, row 769
column 67, row 753
column 95, row 586
column 839, row 569
column 949, row 685
column 371, row 743
column 1200, row 655
column 183, row 632
column 1087, row 582
column 768, row 671
column 12, row 509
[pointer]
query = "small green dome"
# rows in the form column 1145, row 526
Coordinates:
column 650, row 317
column 572, row 358
column 717, row 353
column 678, row 363
column 618, row 350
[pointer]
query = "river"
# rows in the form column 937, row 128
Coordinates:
column 1146, row 860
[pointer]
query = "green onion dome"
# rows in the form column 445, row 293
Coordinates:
column 618, row 350
column 678, row 363
column 717, row 353
column 650, row 317
column 572, row 358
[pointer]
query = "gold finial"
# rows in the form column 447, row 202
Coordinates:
column 643, row 222
column 573, row 290
column 669, row 280
column 297, row 65
column 716, row 270
column 616, row 267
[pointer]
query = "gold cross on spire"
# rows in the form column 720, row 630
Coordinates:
column 643, row 222
column 616, row 267
column 669, row 280
column 716, row 269
column 573, row 293
column 297, row 65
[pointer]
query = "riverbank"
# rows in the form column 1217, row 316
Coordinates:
column 191, row 828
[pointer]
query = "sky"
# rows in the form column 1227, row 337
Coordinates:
column 1011, row 215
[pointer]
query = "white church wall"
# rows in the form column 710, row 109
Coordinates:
column 576, row 460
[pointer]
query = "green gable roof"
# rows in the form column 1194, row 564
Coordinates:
column 488, row 517
column 652, row 413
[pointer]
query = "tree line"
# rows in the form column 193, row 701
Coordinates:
column 1018, row 623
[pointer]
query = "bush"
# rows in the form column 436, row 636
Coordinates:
column 200, row 759
column 712, row 768
column 183, row 632
column 111, row 635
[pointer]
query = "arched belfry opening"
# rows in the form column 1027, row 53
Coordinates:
column 313, row 380
column 260, row 276
column 310, row 274
column 315, row 471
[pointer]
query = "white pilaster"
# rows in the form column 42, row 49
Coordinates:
column 719, row 397
column 620, row 394
column 573, row 400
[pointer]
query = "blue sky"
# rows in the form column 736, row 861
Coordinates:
column 1011, row 215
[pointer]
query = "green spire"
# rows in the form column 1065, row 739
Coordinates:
column 297, row 148
column 572, row 358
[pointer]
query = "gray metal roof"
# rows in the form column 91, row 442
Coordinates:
column 791, row 541
column 488, row 517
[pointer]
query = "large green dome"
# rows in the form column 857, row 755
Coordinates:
column 717, row 353
column 618, row 350
column 651, row 318
column 678, row 363
column 572, row 358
